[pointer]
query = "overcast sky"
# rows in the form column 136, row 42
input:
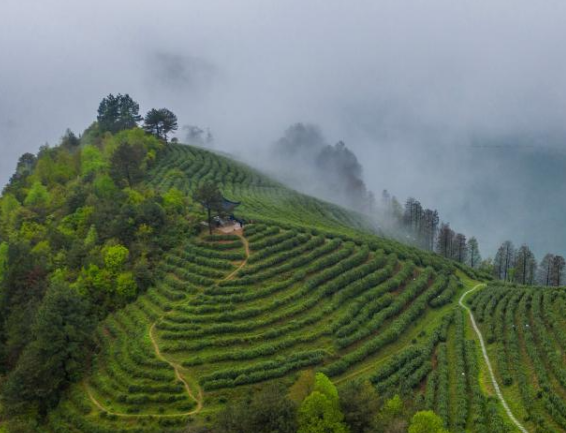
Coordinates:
column 393, row 79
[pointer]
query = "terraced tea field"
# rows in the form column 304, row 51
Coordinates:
column 301, row 287
column 525, row 332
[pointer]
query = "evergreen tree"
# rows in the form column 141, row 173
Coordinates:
column 116, row 113
column 160, row 122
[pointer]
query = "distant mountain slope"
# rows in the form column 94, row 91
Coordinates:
column 298, row 288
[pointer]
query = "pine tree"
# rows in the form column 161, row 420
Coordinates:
column 160, row 122
column 117, row 113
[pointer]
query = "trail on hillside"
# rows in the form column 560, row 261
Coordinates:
column 240, row 234
column 487, row 361
column 176, row 367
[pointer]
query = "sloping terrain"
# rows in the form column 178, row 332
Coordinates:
column 304, row 285
column 524, row 330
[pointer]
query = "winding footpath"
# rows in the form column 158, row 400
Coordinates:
column 176, row 367
column 487, row 361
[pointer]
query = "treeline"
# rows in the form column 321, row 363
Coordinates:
column 520, row 266
column 335, row 173
column 423, row 228
column 80, row 234
column 314, row 405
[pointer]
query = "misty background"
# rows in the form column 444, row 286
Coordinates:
column 459, row 104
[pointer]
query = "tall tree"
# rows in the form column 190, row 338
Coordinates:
column 160, row 122
column 412, row 215
column 116, row 113
column 525, row 266
column 504, row 261
column 210, row 197
column 557, row 272
column 429, row 228
column 460, row 250
column 474, row 256
column 126, row 164
column 445, row 241
column 544, row 274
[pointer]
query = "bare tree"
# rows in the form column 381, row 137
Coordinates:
column 429, row 228
column 504, row 261
column 558, row 265
column 544, row 274
column 444, row 243
column 460, row 250
column 525, row 266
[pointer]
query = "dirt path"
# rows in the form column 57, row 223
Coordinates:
column 134, row 415
column 176, row 367
column 487, row 361
column 244, row 263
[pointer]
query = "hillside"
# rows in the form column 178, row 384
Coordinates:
column 302, row 286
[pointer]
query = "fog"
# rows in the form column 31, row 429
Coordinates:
column 418, row 90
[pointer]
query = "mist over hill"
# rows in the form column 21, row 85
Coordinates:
column 404, row 89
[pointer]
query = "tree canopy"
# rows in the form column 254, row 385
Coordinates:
column 160, row 122
column 117, row 113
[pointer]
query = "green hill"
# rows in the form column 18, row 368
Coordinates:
column 306, row 286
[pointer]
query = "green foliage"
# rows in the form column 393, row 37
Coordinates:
column 174, row 200
column 268, row 411
column 323, row 385
column 38, row 196
column 56, row 356
column 320, row 413
column 126, row 164
column 116, row 113
column 115, row 257
column 104, row 187
column 393, row 407
column 360, row 404
column 126, row 286
column 160, row 122
column 92, row 161
column 9, row 210
column 3, row 260
column 426, row 422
